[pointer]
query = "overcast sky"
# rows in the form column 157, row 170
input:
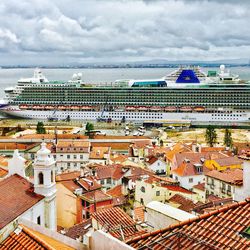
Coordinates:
column 66, row 31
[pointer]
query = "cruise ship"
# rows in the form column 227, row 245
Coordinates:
column 185, row 94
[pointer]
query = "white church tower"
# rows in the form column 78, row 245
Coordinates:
column 44, row 184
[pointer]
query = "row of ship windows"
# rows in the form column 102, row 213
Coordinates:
column 136, row 96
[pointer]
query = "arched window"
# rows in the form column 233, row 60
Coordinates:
column 40, row 178
column 52, row 176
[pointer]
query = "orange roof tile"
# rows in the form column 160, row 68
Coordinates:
column 232, row 176
column 177, row 189
column 16, row 196
column 151, row 160
column 74, row 180
column 177, row 148
column 183, row 202
column 79, row 230
column 96, row 196
column 139, row 213
column 70, row 185
column 115, row 191
column 15, row 145
column 115, row 146
column 23, row 240
column 117, row 137
column 114, row 220
column 119, row 158
column 68, row 176
column 98, row 152
column 3, row 172
column 219, row 229
column 73, row 144
column 200, row 186
column 227, row 161
column 115, row 171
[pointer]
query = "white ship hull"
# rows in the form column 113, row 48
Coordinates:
column 240, row 116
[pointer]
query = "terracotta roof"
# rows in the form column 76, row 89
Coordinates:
column 184, row 203
column 228, row 161
column 23, row 240
column 212, row 149
column 200, row 186
column 186, row 163
column 113, row 145
column 141, row 143
column 68, row 176
column 117, row 137
column 96, row 196
column 16, row 196
column 115, row 219
column 139, row 213
column 213, row 198
column 4, row 161
column 119, row 158
column 115, row 191
column 176, row 188
column 151, row 160
column 162, row 181
column 88, row 183
column 73, row 181
column 70, row 185
column 98, row 152
column 15, row 145
column 212, row 205
column 189, row 169
column 177, row 148
column 3, row 172
column 79, row 230
column 73, row 143
column 115, row 171
column 231, row 176
column 219, row 229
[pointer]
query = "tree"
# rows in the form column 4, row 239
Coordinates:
column 228, row 141
column 161, row 143
column 40, row 129
column 89, row 126
column 211, row 136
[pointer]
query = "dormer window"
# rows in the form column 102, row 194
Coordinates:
column 198, row 168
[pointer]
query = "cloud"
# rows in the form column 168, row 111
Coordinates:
column 113, row 30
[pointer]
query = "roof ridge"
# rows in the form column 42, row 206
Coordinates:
column 182, row 223
column 36, row 238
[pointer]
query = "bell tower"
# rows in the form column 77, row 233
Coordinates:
column 44, row 184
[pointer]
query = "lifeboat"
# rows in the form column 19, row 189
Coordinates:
column 49, row 107
column 186, row 109
column 130, row 108
column 155, row 108
column 199, row 109
column 142, row 108
column 37, row 107
column 74, row 107
column 86, row 107
column 61, row 107
column 170, row 109
column 23, row 106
